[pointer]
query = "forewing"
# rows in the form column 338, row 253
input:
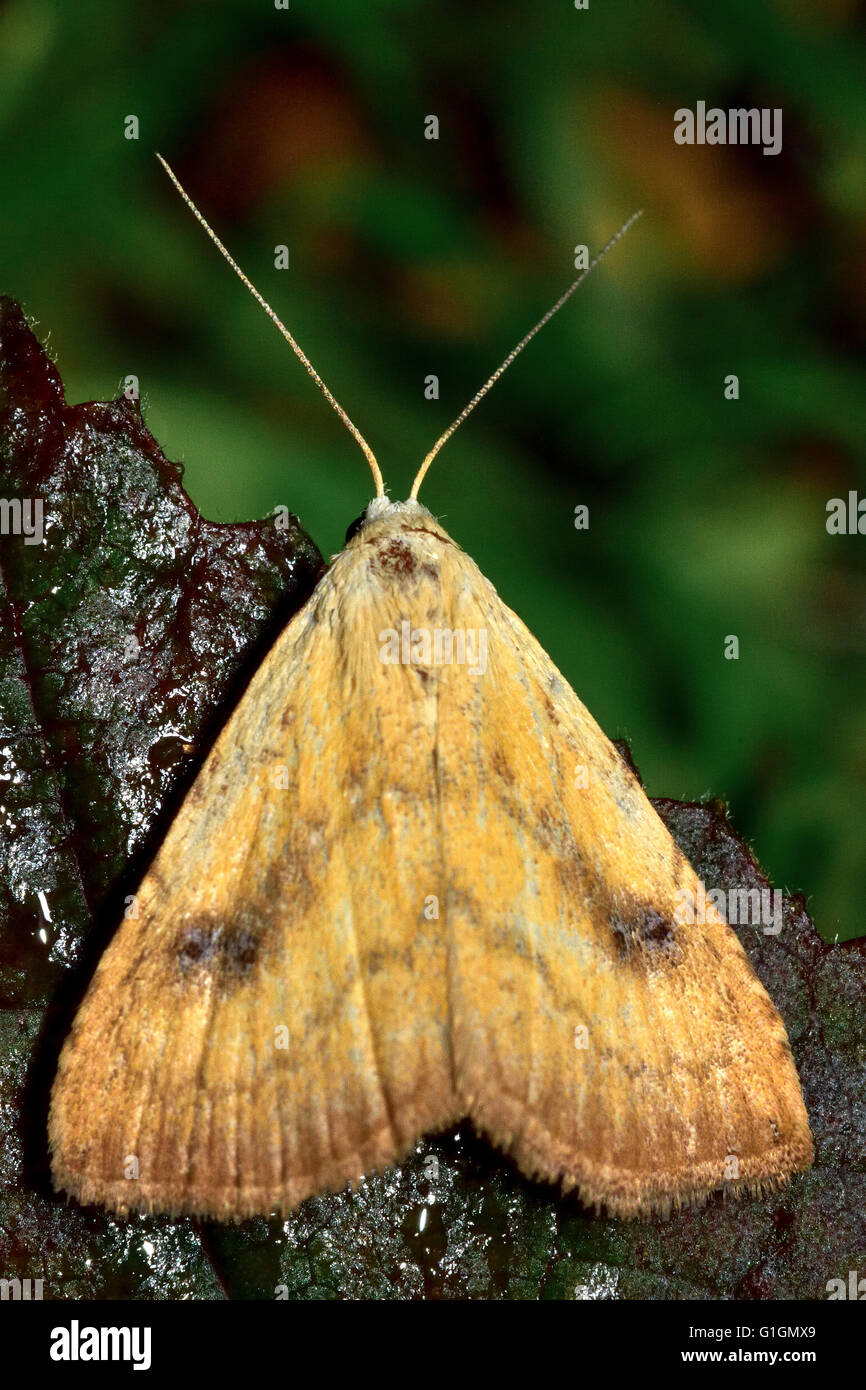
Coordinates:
column 597, row 1037
column 275, row 1020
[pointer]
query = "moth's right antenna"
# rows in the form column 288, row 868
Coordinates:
column 492, row 380
column 298, row 351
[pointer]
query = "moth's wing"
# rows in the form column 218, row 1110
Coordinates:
column 275, row 1020
column 596, row 1038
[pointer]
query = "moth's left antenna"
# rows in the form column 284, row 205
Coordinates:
column 296, row 348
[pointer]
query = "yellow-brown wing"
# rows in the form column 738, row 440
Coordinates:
column 275, row 1022
column 597, row 1038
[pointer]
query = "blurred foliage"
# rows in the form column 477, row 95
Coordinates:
column 410, row 257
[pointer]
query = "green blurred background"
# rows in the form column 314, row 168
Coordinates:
column 305, row 127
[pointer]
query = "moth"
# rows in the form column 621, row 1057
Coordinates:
column 407, row 888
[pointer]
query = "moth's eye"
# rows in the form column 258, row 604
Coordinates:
column 355, row 527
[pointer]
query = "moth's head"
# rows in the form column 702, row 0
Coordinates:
column 385, row 515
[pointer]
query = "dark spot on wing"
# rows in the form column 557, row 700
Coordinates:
column 639, row 927
column 375, row 962
column 222, row 952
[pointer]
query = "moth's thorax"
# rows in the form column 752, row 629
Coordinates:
column 384, row 518
column 400, row 565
